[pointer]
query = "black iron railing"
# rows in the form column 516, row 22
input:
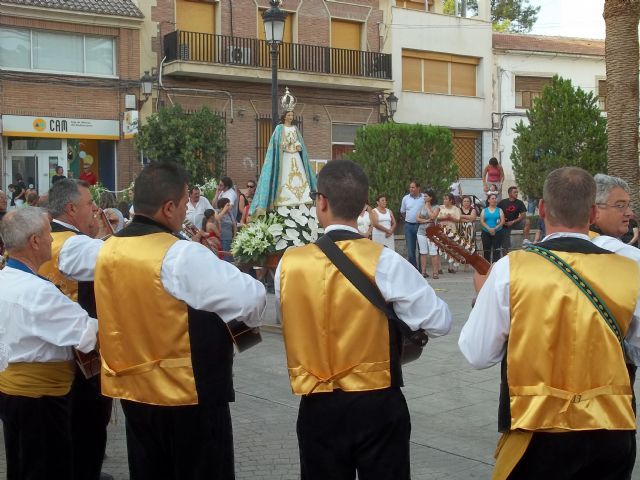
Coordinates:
column 252, row 52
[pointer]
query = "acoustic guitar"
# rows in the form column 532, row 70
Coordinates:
column 455, row 247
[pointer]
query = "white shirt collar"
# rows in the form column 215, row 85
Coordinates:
column 64, row 224
column 338, row 226
column 565, row 235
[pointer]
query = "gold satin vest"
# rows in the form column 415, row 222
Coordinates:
column 144, row 331
column 334, row 337
column 565, row 367
column 50, row 270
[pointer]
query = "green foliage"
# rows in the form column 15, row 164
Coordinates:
column 507, row 15
column 196, row 140
column 393, row 153
column 566, row 128
column 96, row 191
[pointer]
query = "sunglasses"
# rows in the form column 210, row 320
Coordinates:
column 314, row 195
column 251, row 186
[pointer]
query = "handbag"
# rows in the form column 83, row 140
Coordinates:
column 413, row 342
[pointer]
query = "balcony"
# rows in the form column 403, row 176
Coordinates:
column 191, row 54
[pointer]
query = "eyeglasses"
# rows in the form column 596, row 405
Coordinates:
column 314, row 195
column 251, row 186
column 620, row 206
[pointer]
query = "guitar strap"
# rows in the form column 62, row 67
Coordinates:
column 366, row 288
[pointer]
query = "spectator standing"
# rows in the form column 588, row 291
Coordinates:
column 384, row 224
column 427, row 217
column 87, row 175
column 456, row 189
column 541, row 232
column 493, row 174
column 364, row 222
column 58, row 176
column 492, row 220
column 227, row 225
column 515, row 213
column 449, row 217
column 196, row 206
column 19, row 191
column 244, row 202
column 411, row 204
column 226, row 190
column 467, row 223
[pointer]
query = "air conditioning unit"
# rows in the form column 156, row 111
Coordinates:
column 239, row 55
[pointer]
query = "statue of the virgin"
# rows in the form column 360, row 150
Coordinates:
column 286, row 177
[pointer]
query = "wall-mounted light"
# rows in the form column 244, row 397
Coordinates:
column 146, row 85
column 390, row 103
column 241, row 112
column 316, row 117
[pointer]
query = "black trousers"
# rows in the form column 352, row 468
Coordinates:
column 90, row 415
column 601, row 454
column 37, row 437
column 492, row 245
column 340, row 433
column 191, row 442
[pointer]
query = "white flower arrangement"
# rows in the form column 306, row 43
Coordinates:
column 275, row 232
column 208, row 188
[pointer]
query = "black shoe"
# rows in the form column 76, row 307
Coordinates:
column 105, row 476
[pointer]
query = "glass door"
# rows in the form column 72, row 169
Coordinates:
column 35, row 168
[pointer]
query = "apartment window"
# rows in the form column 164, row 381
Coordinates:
column 528, row 89
column 431, row 72
column 343, row 137
column 195, row 16
column 602, row 95
column 425, row 6
column 467, row 152
column 56, row 52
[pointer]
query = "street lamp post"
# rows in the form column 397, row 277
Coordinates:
column 273, row 20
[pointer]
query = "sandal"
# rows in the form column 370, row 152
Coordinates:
column 425, row 275
column 435, row 276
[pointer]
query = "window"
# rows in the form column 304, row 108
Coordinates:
column 467, row 152
column 431, row 72
column 415, row 5
column 56, row 52
column 602, row 95
column 528, row 89
column 195, row 16
column 343, row 137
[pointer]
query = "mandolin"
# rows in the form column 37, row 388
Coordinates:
column 454, row 246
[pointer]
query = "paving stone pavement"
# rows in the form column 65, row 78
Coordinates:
column 453, row 407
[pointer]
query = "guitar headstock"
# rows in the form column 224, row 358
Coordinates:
column 457, row 248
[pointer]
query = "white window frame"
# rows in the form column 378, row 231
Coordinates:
column 62, row 72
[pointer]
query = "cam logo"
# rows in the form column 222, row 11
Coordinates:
column 39, row 124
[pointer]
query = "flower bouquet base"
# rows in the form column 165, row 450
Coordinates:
column 263, row 241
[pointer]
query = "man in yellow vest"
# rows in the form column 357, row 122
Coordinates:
column 163, row 305
column 73, row 214
column 342, row 352
column 565, row 400
column 38, row 327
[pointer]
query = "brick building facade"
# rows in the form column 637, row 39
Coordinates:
column 66, row 69
column 213, row 55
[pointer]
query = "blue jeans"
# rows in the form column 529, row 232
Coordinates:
column 410, row 236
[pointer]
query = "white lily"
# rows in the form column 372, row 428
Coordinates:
column 284, row 211
column 282, row 244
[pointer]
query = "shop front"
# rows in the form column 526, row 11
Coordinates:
column 34, row 146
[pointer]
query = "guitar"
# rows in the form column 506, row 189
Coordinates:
column 243, row 336
column 454, row 246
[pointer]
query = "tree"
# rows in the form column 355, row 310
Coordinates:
column 621, row 58
column 506, row 15
column 565, row 128
column 196, row 140
column 393, row 153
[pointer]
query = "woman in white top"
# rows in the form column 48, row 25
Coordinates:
column 384, row 223
column 364, row 222
column 449, row 217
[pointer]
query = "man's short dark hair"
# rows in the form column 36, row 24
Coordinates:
column 511, row 189
column 227, row 182
column 157, row 184
column 415, row 182
column 345, row 186
column 193, row 188
column 569, row 193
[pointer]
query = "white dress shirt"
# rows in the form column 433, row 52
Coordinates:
column 413, row 299
column 191, row 273
column 483, row 340
column 195, row 213
column 38, row 322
